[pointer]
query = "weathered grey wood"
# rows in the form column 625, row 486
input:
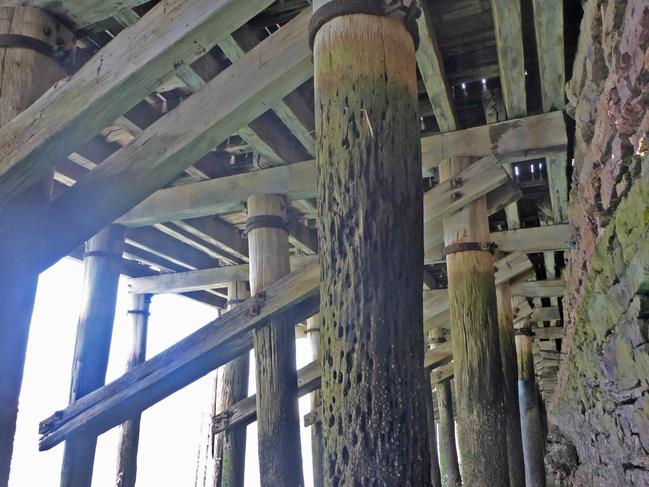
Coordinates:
column 78, row 13
column 511, row 266
column 431, row 67
column 365, row 87
column 278, row 424
column 436, row 479
column 452, row 195
column 549, row 333
column 172, row 33
column 442, row 373
column 130, row 429
column 476, row 347
column 531, row 426
column 24, row 76
column 204, row 350
column 233, row 98
column 535, row 239
column 102, row 265
column 540, row 289
column 447, row 442
column 230, row 448
column 511, row 61
column 548, row 27
column 510, row 141
column 203, row 279
column 223, row 195
column 510, row 385
column 317, row 445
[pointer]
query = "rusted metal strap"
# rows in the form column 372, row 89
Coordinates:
column 523, row 332
column 381, row 8
column 33, row 44
column 232, row 302
column 266, row 221
column 469, row 246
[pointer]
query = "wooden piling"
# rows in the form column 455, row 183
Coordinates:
column 230, row 449
column 313, row 332
column 25, row 74
column 435, row 475
column 371, row 248
column 130, row 434
column 280, row 457
column 447, row 443
column 510, row 389
column 102, row 264
column 476, row 345
column 531, row 427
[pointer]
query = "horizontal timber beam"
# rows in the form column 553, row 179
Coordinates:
column 213, row 345
column 510, row 141
column 536, row 135
column 232, row 99
column 110, row 83
column 539, row 289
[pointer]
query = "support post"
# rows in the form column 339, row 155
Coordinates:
column 278, row 422
column 531, row 427
column 447, row 443
column 474, row 328
column 130, row 437
column 435, row 475
column 313, row 332
column 25, row 74
column 102, row 264
column 371, row 248
column 510, row 389
column 230, row 448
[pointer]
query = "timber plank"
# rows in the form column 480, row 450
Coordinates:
column 112, row 82
column 236, row 96
column 535, row 239
column 204, row 350
column 540, row 289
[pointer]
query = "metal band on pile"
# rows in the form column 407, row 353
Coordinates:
column 381, row 8
column 469, row 246
column 266, row 221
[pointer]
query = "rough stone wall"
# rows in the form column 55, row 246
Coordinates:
column 599, row 417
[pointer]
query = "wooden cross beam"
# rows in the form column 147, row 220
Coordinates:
column 233, row 98
column 215, row 344
column 119, row 76
column 531, row 135
column 539, row 289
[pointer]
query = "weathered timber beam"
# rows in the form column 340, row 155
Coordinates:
column 297, row 295
column 548, row 27
column 539, row 289
column 452, row 195
column 440, row 374
column 222, row 195
column 202, row 279
column 78, row 13
column 431, row 67
column 113, row 81
column 308, row 378
column 536, row 239
column 510, row 141
column 236, row 96
column 511, row 61
column 548, row 333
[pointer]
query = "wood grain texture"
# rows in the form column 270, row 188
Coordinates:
column 112, row 82
column 174, row 142
column 476, row 346
column 367, row 136
column 548, row 27
column 101, row 269
column 278, row 419
column 24, row 75
column 204, row 350
column 130, row 430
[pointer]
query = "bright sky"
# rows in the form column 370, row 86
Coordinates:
column 173, row 435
